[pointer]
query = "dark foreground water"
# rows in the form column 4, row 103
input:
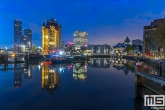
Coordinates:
column 99, row 85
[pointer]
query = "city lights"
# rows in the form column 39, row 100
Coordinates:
column 95, row 54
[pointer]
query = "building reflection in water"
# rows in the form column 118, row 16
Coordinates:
column 80, row 71
column 18, row 78
column 124, row 65
column 18, row 75
column 100, row 62
column 118, row 64
column 27, row 73
column 50, row 78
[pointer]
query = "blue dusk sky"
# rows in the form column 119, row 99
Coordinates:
column 105, row 21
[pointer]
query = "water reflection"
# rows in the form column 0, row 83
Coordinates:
column 80, row 71
column 51, row 73
column 18, row 78
column 50, row 78
column 19, row 70
column 100, row 62
column 27, row 73
column 119, row 64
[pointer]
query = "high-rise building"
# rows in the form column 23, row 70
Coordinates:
column 62, row 44
column 28, row 33
column 80, row 39
column 51, row 36
column 25, row 44
column 17, row 32
column 24, row 40
column 147, row 30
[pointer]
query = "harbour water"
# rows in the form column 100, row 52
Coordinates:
column 101, row 84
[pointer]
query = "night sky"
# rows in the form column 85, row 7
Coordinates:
column 105, row 21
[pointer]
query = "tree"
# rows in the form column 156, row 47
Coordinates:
column 34, row 48
column 152, row 41
column 130, row 48
column 129, row 66
column 133, row 47
column 160, row 35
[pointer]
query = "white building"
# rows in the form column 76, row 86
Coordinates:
column 80, row 39
column 100, row 49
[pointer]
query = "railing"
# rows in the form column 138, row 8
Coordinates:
column 151, row 77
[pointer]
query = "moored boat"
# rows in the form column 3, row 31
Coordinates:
column 47, row 62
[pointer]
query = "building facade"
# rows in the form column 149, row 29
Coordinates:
column 147, row 30
column 62, row 45
column 80, row 39
column 51, row 36
column 28, row 33
column 25, row 43
column 100, row 49
column 120, row 47
column 17, row 32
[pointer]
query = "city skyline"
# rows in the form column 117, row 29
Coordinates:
column 106, row 22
